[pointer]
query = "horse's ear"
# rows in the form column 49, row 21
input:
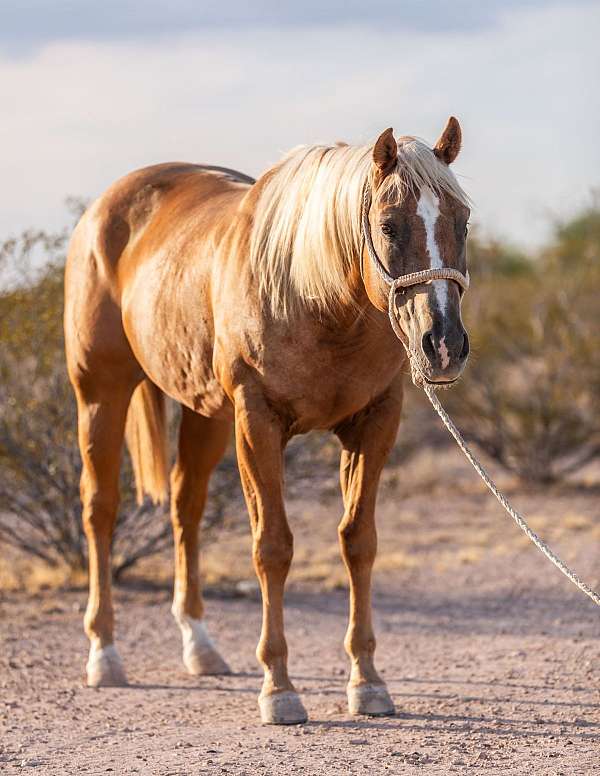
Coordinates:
column 447, row 147
column 385, row 151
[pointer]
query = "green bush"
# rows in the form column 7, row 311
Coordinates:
column 530, row 397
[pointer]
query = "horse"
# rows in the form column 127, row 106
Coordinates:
column 259, row 305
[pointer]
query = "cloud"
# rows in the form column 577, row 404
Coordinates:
column 76, row 115
column 31, row 23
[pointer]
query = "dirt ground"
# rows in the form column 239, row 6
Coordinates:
column 492, row 658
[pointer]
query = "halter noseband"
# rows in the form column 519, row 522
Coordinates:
column 402, row 281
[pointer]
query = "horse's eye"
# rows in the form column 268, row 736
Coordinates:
column 387, row 230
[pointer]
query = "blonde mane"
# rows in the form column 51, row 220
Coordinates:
column 306, row 235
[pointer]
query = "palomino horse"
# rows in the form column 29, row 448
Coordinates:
column 258, row 303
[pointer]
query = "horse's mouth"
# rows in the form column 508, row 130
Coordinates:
column 419, row 370
column 443, row 383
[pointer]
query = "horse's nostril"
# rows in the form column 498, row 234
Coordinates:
column 465, row 348
column 428, row 345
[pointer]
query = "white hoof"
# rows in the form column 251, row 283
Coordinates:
column 200, row 656
column 370, row 699
column 104, row 667
column 206, row 662
column 282, row 708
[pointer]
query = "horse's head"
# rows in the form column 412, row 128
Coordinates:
column 418, row 221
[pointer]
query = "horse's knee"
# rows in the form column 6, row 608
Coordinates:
column 358, row 540
column 99, row 509
column 188, row 496
column 274, row 553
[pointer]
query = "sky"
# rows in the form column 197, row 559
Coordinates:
column 90, row 91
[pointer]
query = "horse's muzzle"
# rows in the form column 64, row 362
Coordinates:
column 446, row 351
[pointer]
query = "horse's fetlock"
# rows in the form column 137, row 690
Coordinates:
column 358, row 645
column 269, row 652
column 99, row 627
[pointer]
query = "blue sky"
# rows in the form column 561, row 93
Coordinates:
column 35, row 22
column 92, row 90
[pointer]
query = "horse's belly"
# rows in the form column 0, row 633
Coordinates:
column 189, row 381
column 172, row 338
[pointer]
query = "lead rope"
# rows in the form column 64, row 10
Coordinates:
column 519, row 519
column 429, row 390
column 414, row 278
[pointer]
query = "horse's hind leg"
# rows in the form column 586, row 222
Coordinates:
column 102, row 410
column 366, row 442
column 202, row 442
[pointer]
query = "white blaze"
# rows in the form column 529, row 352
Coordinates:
column 429, row 210
column 443, row 351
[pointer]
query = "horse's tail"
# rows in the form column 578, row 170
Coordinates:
column 146, row 435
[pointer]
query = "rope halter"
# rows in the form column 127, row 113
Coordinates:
column 401, row 282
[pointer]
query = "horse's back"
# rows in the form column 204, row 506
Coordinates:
column 124, row 212
column 134, row 218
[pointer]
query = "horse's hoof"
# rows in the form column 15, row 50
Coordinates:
column 370, row 699
column 200, row 656
column 204, row 662
column 104, row 668
column 282, row 708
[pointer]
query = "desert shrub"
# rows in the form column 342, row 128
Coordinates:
column 40, row 511
column 39, row 478
column 576, row 243
column 530, row 397
column 489, row 258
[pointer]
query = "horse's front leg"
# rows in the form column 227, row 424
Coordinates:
column 260, row 442
column 366, row 440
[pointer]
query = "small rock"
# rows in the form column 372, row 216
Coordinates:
column 248, row 588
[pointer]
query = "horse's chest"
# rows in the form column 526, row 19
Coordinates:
column 320, row 387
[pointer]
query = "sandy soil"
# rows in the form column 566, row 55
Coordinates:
column 491, row 657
